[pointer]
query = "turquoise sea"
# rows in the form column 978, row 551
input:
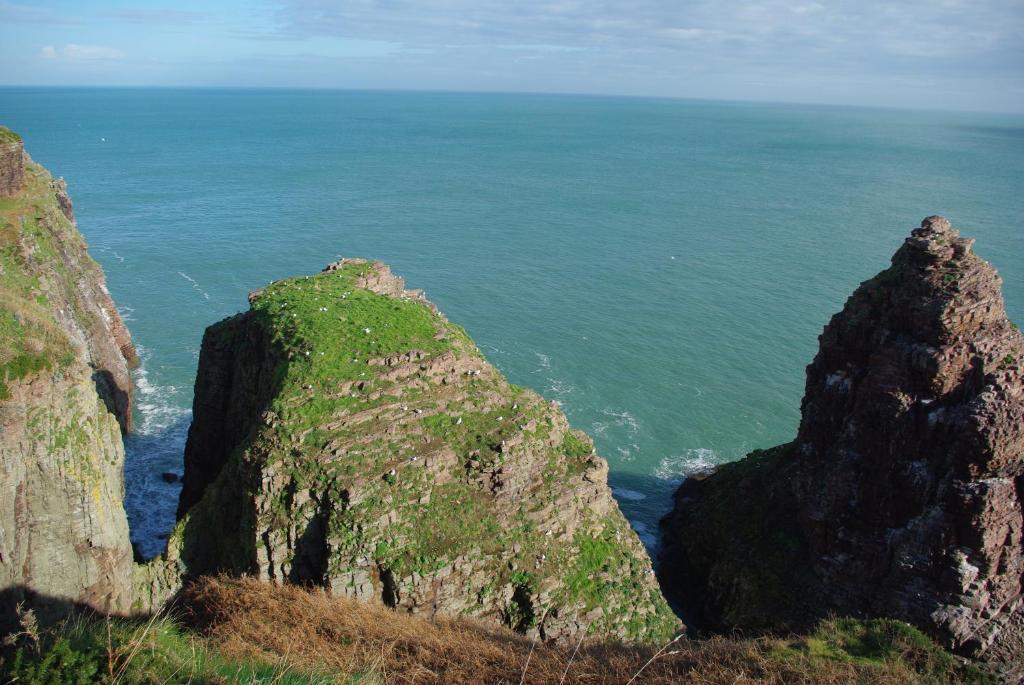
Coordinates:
column 661, row 267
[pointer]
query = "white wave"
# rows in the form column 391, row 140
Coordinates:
column 155, row 403
column 545, row 362
column 632, row 495
column 676, row 467
column 153, row 447
column 623, row 419
column 194, row 284
column 113, row 252
column 560, row 388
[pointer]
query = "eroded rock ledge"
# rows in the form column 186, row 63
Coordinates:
column 902, row 494
column 347, row 435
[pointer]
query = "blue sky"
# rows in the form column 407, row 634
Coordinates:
column 938, row 54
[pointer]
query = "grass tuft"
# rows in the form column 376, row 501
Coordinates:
column 8, row 136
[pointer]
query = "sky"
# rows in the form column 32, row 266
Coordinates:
column 935, row 54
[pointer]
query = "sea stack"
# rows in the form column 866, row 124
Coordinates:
column 902, row 493
column 65, row 397
column 348, row 436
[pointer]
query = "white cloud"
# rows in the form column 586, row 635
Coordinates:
column 73, row 52
column 155, row 15
column 693, row 34
column 795, row 31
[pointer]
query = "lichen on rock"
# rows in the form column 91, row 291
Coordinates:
column 12, row 163
column 347, row 435
column 902, row 494
column 65, row 397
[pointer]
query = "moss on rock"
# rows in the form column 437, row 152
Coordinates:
column 381, row 456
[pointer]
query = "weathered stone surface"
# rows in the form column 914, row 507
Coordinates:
column 902, row 494
column 349, row 436
column 12, row 163
column 65, row 395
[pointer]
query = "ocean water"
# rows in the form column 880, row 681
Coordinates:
column 662, row 268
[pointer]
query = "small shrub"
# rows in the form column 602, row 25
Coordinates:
column 59, row 663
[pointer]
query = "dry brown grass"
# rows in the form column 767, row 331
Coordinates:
column 246, row 619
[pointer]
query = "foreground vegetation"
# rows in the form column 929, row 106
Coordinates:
column 244, row 632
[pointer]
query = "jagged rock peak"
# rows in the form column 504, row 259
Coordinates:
column 931, row 331
column 902, row 494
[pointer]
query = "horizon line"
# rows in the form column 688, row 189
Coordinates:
column 444, row 91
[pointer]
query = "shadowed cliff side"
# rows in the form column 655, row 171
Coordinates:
column 902, row 494
column 65, row 397
column 348, row 436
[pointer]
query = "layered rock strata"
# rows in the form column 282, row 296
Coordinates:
column 12, row 163
column 902, row 493
column 347, row 435
column 65, row 397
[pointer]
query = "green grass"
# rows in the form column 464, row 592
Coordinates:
column 87, row 650
column 596, row 556
column 8, row 136
column 35, row 240
column 576, row 447
column 879, row 644
column 327, row 330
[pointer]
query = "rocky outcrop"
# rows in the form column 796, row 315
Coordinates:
column 902, row 494
column 347, row 435
column 65, row 397
column 12, row 164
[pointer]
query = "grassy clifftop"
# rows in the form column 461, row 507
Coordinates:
column 8, row 136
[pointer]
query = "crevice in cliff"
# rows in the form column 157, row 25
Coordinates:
column 115, row 398
column 521, row 616
column 389, row 594
column 309, row 565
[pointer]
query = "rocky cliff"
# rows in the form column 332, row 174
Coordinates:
column 347, row 435
column 65, row 397
column 12, row 163
column 902, row 493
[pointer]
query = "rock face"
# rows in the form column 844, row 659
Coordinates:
column 347, row 435
column 902, row 494
column 65, row 397
column 12, row 164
